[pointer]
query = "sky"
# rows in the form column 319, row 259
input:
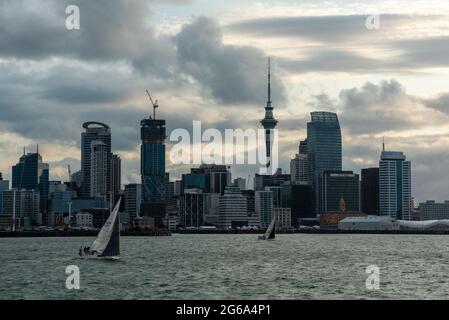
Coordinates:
column 206, row 60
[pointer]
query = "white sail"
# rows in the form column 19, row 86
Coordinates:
column 270, row 228
column 106, row 233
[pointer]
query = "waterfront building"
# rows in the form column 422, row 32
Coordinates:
column 369, row 191
column 264, row 207
column 26, row 207
column 133, row 200
column 395, row 199
column 283, row 218
column 232, row 209
column 95, row 151
column 335, row 185
column 369, row 223
column 193, row 208
column 432, row 210
column 299, row 197
column 331, row 219
column 84, row 220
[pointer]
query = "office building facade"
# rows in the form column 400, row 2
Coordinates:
column 335, row 186
column 95, row 151
column 432, row 210
column 395, row 199
column 324, row 148
column 152, row 166
column 232, row 208
column 369, row 190
column 264, row 207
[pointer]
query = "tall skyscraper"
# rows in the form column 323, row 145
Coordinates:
column 98, row 169
column 30, row 173
column 395, row 198
column 269, row 122
column 116, row 175
column 324, row 147
column 152, row 168
column 369, row 191
column 95, row 133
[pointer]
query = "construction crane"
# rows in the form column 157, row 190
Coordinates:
column 154, row 103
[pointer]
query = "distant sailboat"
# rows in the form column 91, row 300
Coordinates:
column 270, row 234
column 107, row 243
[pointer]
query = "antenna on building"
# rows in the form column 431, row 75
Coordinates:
column 24, row 150
column 37, row 148
column 269, row 79
column 383, row 144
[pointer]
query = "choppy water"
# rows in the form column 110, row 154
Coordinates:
column 294, row 266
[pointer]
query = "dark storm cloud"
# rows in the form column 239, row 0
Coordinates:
column 111, row 30
column 232, row 74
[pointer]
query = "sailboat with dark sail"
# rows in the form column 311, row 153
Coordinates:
column 270, row 234
column 107, row 243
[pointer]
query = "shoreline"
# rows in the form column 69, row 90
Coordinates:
column 166, row 233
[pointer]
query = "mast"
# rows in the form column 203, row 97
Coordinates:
column 269, row 82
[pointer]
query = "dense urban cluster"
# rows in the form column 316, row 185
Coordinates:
column 316, row 192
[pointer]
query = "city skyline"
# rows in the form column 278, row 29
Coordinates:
column 63, row 85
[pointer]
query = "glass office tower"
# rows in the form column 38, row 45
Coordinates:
column 324, row 147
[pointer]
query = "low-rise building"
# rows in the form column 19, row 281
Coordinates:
column 369, row 223
column 84, row 220
column 431, row 210
column 283, row 218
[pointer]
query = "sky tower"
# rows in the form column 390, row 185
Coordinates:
column 269, row 122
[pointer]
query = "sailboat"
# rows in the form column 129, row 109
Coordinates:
column 270, row 234
column 107, row 243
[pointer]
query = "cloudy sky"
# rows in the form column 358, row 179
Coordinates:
column 206, row 60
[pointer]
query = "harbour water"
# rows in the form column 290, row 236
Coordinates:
column 294, row 266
